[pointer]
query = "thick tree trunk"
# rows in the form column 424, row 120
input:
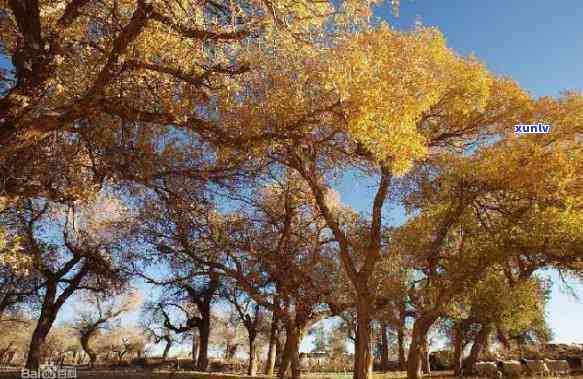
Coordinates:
column 291, row 353
column 279, row 348
column 458, row 349
column 204, row 334
column 401, row 338
column 362, row 353
column 90, row 353
column 50, row 308
column 203, row 361
column 285, row 355
column 384, row 347
column 480, row 343
column 252, row 367
column 295, row 361
column 273, row 342
column 418, row 338
column 38, row 339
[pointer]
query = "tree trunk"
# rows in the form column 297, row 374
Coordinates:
column 384, row 347
column 480, row 343
column 252, row 367
column 291, row 353
column 362, row 352
column 295, row 362
column 273, row 342
column 279, row 349
column 285, row 355
column 167, row 348
column 401, row 338
column 195, row 347
column 418, row 338
column 458, row 349
column 204, row 329
column 425, row 365
column 38, row 339
column 90, row 353
column 504, row 339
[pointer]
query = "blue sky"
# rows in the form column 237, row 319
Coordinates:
column 539, row 43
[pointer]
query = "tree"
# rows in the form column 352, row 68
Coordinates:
column 16, row 291
column 16, row 283
column 274, row 348
column 475, row 222
column 490, row 304
column 100, row 311
column 320, row 338
column 375, row 118
column 78, row 261
column 228, row 333
column 264, row 252
column 251, row 316
column 59, row 344
column 152, row 321
column 70, row 60
column 123, row 342
column 170, row 226
column 192, row 297
column 338, row 351
column 269, row 249
column 14, row 339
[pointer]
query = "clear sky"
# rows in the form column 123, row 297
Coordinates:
column 539, row 43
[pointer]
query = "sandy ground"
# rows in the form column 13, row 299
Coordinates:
column 143, row 374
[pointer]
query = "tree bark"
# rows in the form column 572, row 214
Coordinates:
column 401, row 337
column 252, row 367
column 458, row 348
column 273, row 342
column 384, row 347
column 90, row 353
column 167, row 348
column 295, row 362
column 51, row 306
column 279, row 349
column 195, row 347
column 425, row 364
column 202, row 363
column 285, row 355
column 362, row 352
column 291, row 353
column 480, row 343
column 420, row 330
column 43, row 327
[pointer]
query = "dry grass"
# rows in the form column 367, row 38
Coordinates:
column 145, row 374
